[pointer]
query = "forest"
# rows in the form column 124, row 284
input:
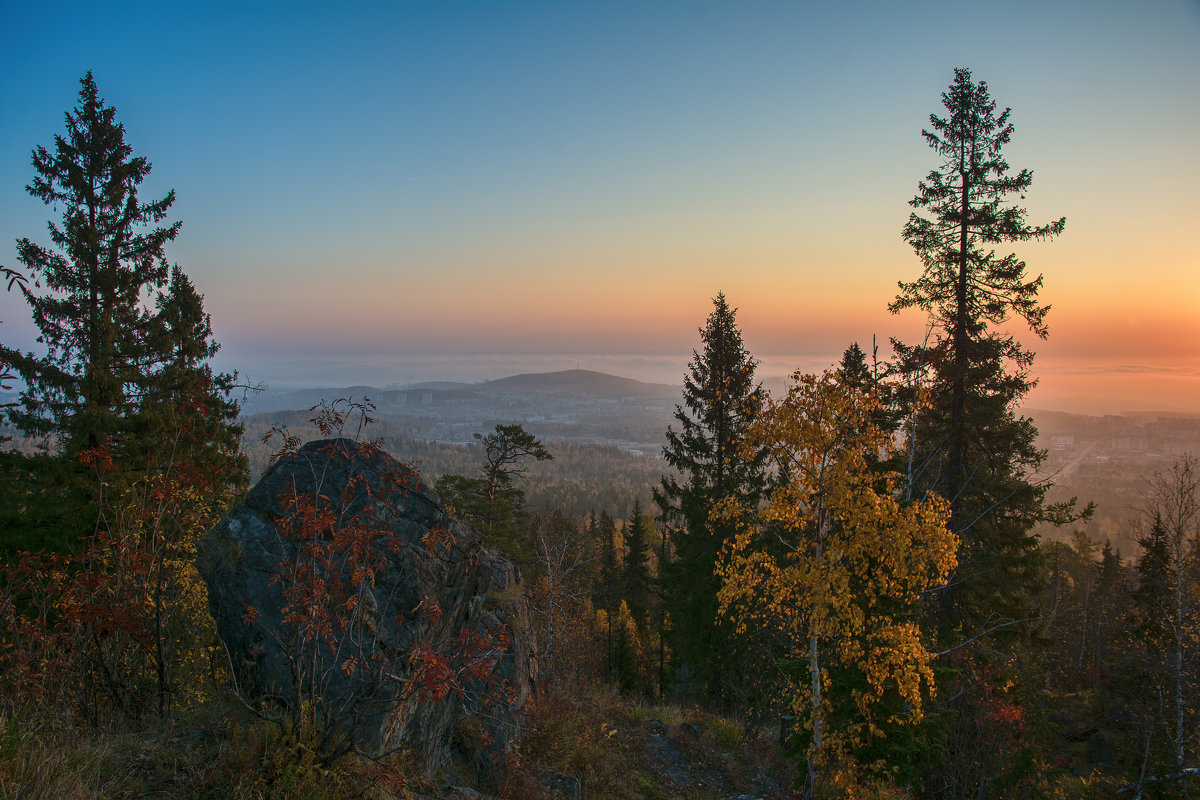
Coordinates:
column 868, row 585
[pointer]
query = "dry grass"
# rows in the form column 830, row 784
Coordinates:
column 615, row 747
column 207, row 753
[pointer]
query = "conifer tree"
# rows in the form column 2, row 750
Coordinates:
column 635, row 574
column 711, row 465
column 974, row 448
column 185, row 394
column 106, row 256
column 603, row 529
column 852, row 369
column 1169, row 585
column 126, row 350
column 493, row 502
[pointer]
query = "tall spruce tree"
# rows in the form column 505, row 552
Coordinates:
column 126, row 346
column 975, row 449
column 106, row 257
column 711, row 465
column 1169, row 585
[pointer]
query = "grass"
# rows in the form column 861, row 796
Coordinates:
column 216, row 751
column 725, row 732
column 187, row 755
column 604, row 740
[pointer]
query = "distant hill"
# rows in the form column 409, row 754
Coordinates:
column 574, row 383
column 292, row 400
column 625, row 418
column 579, row 382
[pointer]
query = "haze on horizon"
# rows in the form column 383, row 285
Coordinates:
column 476, row 186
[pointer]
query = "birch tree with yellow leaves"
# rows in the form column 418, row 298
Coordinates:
column 833, row 566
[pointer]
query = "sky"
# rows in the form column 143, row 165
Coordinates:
column 391, row 192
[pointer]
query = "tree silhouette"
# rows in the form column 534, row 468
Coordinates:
column 974, row 447
column 106, row 254
column 711, row 465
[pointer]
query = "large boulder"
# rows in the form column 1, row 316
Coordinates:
column 350, row 602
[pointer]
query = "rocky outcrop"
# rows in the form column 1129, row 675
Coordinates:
column 341, row 588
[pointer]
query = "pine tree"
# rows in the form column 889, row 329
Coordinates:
column 973, row 447
column 107, row 255
column 493, row 502
column 711, row 466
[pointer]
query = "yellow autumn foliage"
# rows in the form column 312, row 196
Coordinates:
column 835, row 562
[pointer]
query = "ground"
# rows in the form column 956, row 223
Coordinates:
column 615, row 747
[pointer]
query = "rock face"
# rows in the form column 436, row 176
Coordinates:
column 342, row 590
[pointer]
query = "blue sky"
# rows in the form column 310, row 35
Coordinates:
column 421, row 178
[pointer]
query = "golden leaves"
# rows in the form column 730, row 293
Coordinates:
column 833, row 560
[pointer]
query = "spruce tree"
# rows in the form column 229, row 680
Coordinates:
column 635, row 574
column 706, row 452
column 106, row 256
column 187, row 411
column 852, row 370
column 126, row 347
column 972, row 445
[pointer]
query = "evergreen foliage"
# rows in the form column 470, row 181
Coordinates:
column 602, row 531
column 107, row 255
column 852, row 369
column 185, row 392
column 493, row 502
column 972, row 446
column 635, row 575
column 711, row 465
column 127, row 340
column 1168, row 597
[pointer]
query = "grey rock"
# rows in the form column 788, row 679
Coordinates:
column 564, row 785
column 670, row 761
column 478, row 594
column 764, row 782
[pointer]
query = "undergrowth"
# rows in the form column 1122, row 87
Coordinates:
column 615, row 747
column 207, row 752
column 215, row 750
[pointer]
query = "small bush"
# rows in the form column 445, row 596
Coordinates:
column 726, row 732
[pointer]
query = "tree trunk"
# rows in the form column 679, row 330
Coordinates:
column 814, row 748
column 814, row 668
column 1179, row 666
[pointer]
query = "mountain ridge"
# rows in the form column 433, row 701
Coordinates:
column 578, row 383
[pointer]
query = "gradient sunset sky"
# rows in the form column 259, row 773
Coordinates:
column 369, row 190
